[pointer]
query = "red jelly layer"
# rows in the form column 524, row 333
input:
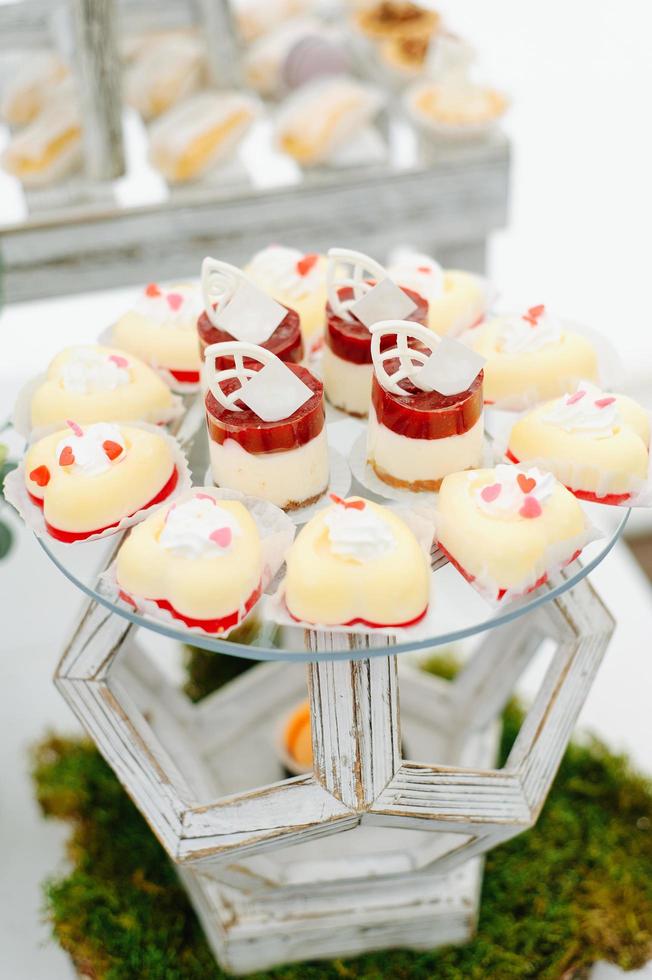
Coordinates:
column 70, row 536
column 351, row 340
column 185, row 377
column 609, row 498
column 218, row 625
column 257, row 436
column 365, row 622
column 503, row 592
column 426, row 414
column 285, row 342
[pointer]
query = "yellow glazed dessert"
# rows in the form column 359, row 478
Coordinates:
column 161, row 329
column 597, row 444
column 93, row 383
column 356, row 562
column 50, row 147
column 531, row 357
column 200, row 559
column 457, row 300
column 167, row 70
column 452, row 105
column 505, row 528
column 295, row 279
column 87, row 480
column 29, row 88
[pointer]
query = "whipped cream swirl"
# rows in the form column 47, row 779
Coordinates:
column 177, row 307
column 418, row 272
column 588, row 410
column 199, row 527
column 91, row 450
column 89, row 369
column 514, row 491
column 278, row 269
column 534, row 329
column 358, row 532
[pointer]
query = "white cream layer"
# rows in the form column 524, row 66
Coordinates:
column 346, row 385
column 423, row 459
column 281, row 478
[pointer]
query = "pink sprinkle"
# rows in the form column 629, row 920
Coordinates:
column 491, row 492
column 174, row 300
column 603, row 402
column 575, row 398
column 222, row 536
column 530, row 508
column 119, row 361
column 77, row 429
column 205, row 496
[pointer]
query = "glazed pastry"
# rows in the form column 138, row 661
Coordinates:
column 166, row 71
column 323, row 116
column 396, row 19
column 597, row 444
column 437, row 104
column 357, row 562
column 161, row 329
column 347, row 364
column 457, row 300
column 29, row 88
column 266, row 426
column 506, row 529
column 531, row 357
column 200, row 559
column 405, row 55
column 50, row 147
column 195, row 135
column 295, row 279
column 93, row 383
column 426, row 418
column 88, row 480
column 257, row 319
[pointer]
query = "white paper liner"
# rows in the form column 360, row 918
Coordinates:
column 276, row 533
column 421, row 522
column 555, row 557
column 366, row 476
column 105, row 339
column 16, row 493
column 574, row 476
column 22, row 414
column 610, row 370
column 339, row 483
column 443, row 130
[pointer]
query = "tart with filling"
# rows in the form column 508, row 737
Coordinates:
column 87, row 480
column 160, row 329
column 397, row 19
column 357, row 562
column 597, row 444
column 199, row 559
column 91, row 383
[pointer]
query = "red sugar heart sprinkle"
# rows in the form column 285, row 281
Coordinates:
column 305, row 264
column 77, row 429
column 111, row 448
column 530, row 508
column 348, row 504
column 533, row 314
column 575, row 398
column 526, row 483
column 66, row 456
column 205, row 496
column 489, row 493
column 424, row 268
column 222, row 536
column 603, row 402
column 174, row 300
column 119, row 360
column 152, row 290
column 40, row 476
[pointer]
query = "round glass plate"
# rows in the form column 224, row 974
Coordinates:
column 459, row 610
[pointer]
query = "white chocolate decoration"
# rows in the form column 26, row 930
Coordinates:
column 530, row 331
column 235, row 305
column 350, row 269
column 199, row 526
column 357, row 532
column 93, row 449
column 445, row 365
column 273, row 393
column 90, row 369
column 385, row 300
column 588, row 409
column 514, row 492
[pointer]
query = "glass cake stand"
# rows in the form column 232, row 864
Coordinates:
column 370, row 849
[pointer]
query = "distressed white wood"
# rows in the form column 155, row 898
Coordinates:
column 222, row 49
column 97, row 67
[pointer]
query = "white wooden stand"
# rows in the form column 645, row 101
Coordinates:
column 370, row 850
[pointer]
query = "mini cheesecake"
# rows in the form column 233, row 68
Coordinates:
column 285, row 462
column 87, row 480
column 597, row 444
column 347, row 366
column 160, row 329
column 357, row 562
column 285, row 341
column 199, row 559
column 415, row 439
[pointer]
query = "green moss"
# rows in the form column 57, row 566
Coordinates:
column 575, row 889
